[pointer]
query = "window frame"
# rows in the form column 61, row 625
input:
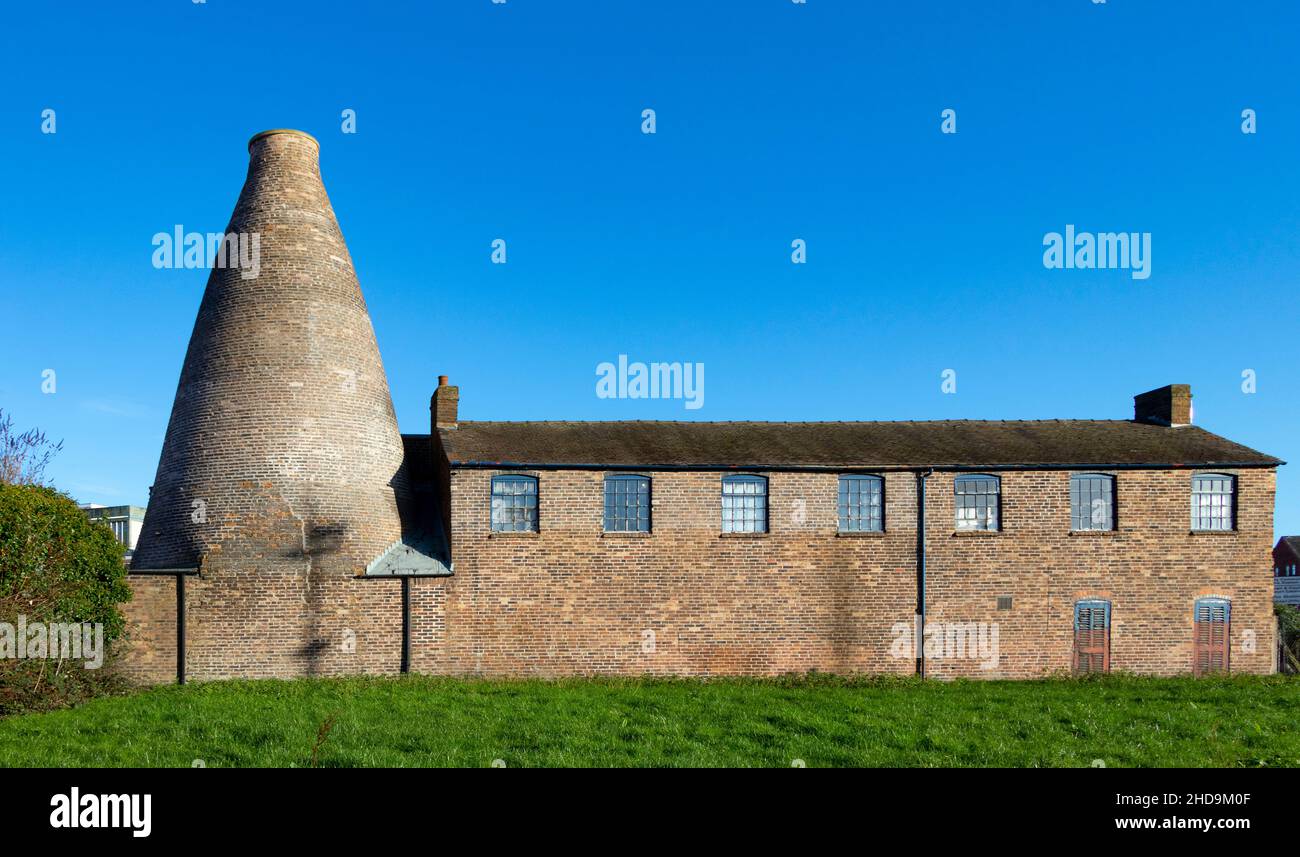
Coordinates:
column 744, row 479
column 1231, row 506
column 517, row 478
column 985, row 478
column 841, row 505
column 1110, row 483
column 628, row 478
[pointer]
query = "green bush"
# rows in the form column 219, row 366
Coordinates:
column 55, row 566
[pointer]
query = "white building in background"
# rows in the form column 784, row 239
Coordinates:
column 126, row 521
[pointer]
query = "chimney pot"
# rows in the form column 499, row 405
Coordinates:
column 1170, row 405
column 262, row 135
column 442, row 380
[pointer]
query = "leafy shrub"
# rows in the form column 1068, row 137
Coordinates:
column 55, row 566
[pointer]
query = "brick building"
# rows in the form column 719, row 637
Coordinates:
column 292, row 531
column 1286, row 570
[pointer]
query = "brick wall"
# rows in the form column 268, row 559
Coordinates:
column 148, row 651
column 570, row 599
column 1151, row 568
column 573, row 600
column 272, row 601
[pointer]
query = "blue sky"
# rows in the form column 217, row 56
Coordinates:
column 775, row 121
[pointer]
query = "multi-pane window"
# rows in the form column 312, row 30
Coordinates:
column 862, row 504
column 1092, row 501
column 627, row 503
column 514, row 504
column 1212, row 618
column 1092, row 637
column 744, row 504
column 1213, row 496
column 976, row 499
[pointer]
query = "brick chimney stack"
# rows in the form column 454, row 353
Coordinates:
column 1167, row 406
column 444, row 405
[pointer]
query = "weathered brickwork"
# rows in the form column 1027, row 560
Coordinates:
column 282, row 470
column 148, row 652
column 1151, row 569
column 269, row 604
column 282, row 386
column 570, row 599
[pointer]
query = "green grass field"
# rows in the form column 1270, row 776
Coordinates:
column 822, row 721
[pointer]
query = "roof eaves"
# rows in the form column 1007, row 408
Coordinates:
column 875, row 468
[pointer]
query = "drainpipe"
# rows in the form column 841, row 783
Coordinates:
column 179, row 575
column 180, row 629
column 919, row 641
column 406, row 625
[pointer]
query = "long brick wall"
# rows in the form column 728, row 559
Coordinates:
column 571, row 599
column 684, row 600
column 688, row 600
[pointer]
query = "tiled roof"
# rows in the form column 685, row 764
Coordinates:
column 945, row 443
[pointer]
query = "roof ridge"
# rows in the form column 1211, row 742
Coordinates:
column 816, row 422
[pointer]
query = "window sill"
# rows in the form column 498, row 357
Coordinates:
column 975, row 534
column 517, row 534
column 1087, row 534
column 626, row 534
column 859, row 534
column 1212, row 532
column 742, row 535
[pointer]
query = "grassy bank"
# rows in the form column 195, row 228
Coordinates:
column 418, row 721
